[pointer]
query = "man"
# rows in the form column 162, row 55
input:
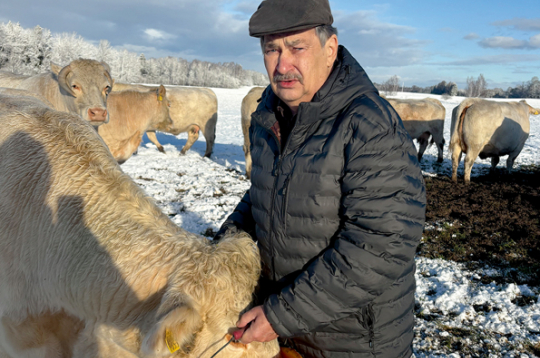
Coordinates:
column 337, row 199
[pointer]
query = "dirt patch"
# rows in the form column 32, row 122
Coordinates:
column 494, row 220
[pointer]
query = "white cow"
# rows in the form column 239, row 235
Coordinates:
column 249, row 105
column 91, row 267
column 81, row 88
column 488, row 129
column 131, row 114
column 422, row 118
column 193, row 109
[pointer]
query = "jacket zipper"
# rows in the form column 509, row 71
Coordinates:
column 370, row 319
column 275, row 172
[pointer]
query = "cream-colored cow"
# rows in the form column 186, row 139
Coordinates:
column 193, row 109
column 488, row 129
column 422, row 118
column 17, row 93
column 132, row 113
column 90, row 266
column 249, row 105
column 80, row 88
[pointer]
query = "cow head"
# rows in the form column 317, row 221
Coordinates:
column 204, row 303
column 85, row 85
column 162, row 120
column 532, row 110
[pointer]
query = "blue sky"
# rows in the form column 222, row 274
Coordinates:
column 422, row 42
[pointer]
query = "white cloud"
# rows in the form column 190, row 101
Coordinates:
column 153, row 34
column 376, row 43
column 503, row 42
column 535, row 41
column 471, row 36
column 520, row 24
column 506, row 42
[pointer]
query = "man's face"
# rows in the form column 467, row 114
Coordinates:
column 298, row 65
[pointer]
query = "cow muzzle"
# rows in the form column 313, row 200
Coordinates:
column 98, row 116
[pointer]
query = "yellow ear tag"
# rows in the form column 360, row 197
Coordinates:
column 160, row 98
column 536, row 113
column 171, row 343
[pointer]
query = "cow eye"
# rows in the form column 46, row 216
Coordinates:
column 75, row 87
column 108, row 89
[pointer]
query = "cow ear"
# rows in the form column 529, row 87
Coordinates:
column 174, row 331
column 161, row 91
column 106, row 66
column 55, row 68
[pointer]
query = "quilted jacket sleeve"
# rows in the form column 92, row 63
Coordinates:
column 383, row 207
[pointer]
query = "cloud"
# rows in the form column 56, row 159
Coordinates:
column 493, row 60
column 153, row 34
column 521, row 24
column 503, row 42
column 471, row 36
column 375, row 43
column 506, row 42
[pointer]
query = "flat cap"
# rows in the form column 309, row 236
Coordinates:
column 278, row 16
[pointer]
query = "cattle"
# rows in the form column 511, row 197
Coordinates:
column 81, row 88
column 131, row 114
column 17, row 93
column 249, row 105
column 193, row 109
column 91, row 267
column 488, row 129
column 11, row 80
column 422, row 118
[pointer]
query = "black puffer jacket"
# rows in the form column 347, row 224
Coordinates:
column 337, row 216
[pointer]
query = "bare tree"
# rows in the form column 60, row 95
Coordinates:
column 391, row 85
column 476, row 88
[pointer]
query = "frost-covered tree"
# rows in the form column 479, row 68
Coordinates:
column 29, row 51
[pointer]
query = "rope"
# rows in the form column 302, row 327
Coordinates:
column 219, row 350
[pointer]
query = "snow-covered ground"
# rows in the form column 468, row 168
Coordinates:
column 199, row 193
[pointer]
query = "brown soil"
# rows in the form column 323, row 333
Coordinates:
column 494, row 220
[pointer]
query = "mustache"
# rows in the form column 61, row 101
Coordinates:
column 288, row 77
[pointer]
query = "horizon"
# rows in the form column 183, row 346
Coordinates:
column 419, row 43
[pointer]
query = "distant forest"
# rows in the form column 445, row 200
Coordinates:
column 475, row 88
column 30, row 51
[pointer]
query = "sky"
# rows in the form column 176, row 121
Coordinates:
column 421, row 42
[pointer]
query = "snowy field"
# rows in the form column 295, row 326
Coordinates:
column 199, row 193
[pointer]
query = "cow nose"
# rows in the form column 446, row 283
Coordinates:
column 97, row 114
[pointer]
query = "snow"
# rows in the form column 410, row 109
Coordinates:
column 199, row 193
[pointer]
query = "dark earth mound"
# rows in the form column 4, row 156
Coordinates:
column 494, row 220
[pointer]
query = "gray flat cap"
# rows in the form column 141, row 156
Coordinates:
column 277, row 16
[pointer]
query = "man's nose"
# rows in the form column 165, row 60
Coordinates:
column 285, row 62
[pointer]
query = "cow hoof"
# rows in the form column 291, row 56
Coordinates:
column 161, row 149
column 439, row 160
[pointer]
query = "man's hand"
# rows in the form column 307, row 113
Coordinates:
column 259, row 329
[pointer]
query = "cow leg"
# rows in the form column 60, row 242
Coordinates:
column 152, row 137
column 423, row 140
column 471, row 156
column 512, row 157
column 456, row 158
column 494, row 162
column 209, row 133
column 247, row 154
column 193, row 135
column 439, row 142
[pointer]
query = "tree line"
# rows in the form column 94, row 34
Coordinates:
column 474, row 88
column 30, row 51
